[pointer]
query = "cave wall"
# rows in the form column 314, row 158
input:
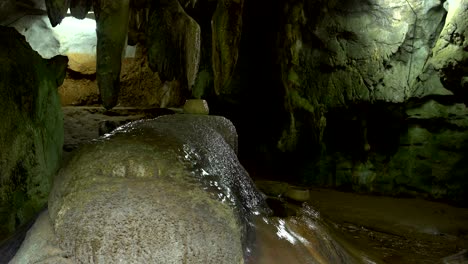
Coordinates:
column 368, row 96
column 375, row 93
column 31, row 131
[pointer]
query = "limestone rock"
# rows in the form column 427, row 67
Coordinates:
column 226, row 34
column 450, row 53
column 174, row 43
column 79, row 92
column 82, row 63
column 40, row 241
column 80, row 8
column 298, row 194
column 166, row 190
column 31, row 131
column 57, row 9
column 112, row 26
column 419, row 151
column 140, row 86
column 196, row 106
column 338, row 64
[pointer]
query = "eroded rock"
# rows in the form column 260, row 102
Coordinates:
column 31, row 131
column 174, row 42
column 56, row 10
column 80, row 8
column 226, row 29
column 111, row 30
column 165, row 190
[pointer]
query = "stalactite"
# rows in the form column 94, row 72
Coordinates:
column 56, row 10
column 80, row 8
column 111, row 30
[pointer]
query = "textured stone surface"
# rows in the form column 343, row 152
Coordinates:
column 111, row 30
column 40, row 239
column 176, row 194
column 226, row 29
column 174, row 43
column 450, row 53
column 31, row 131
column 196, row 106
column 139, row 86
column 360, row 63
column 80, row 8
column 420, row 150
column 339, row 63
column 56, row 10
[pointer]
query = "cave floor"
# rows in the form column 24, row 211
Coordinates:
column 392, row 230
column 396, row 230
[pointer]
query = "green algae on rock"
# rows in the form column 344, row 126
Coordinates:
column 31, row 131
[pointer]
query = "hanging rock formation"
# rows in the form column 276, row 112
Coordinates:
column 174, row 42
column 112, row 25
column 167, row 190
column 111, row 30
column 80, row 8
column 31, row 131
column 56, row 10
column 226, row 35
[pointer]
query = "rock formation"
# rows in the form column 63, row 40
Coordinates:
column 111, row 30
column 357, row 78
column 167, row 190
column 31, row 131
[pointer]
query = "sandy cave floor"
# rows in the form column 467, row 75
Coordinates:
column 394, row 230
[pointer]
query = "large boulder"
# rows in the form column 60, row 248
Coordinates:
column 31, row 130
column 167, row 190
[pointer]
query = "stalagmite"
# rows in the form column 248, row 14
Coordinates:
column 56, row 10
column 80, row 8
column 111, row 30
column 226, row 28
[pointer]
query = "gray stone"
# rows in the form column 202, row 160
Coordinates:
column 56, row 10
column 196, row 106
column 174, row 50
column 168, row 190
column 111, row 30
column 40, row 241
column 80, row 8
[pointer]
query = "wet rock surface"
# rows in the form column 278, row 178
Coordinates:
column 31, row 131
column 181, row 181
column 386, row 230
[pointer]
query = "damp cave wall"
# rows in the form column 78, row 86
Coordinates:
column 365, row 96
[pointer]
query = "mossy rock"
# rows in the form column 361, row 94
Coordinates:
column 31, row 131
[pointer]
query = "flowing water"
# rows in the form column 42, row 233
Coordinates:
column 301, row 239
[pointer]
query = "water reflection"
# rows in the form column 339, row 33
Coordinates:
column 301, row 239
